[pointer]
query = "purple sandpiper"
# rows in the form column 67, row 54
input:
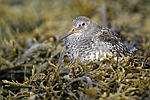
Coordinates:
column 91, row 41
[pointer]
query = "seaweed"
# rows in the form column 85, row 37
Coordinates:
column 33, row 66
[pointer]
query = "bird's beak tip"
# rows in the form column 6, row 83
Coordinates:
column 72, row 31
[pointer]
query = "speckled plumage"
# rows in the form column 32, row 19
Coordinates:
column 90, row 41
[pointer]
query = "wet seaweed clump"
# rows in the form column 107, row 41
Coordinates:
column 35, row 73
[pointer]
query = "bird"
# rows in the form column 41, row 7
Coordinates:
column 90, row 41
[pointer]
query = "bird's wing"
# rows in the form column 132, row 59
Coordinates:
column 107, row 35
column 111, row 40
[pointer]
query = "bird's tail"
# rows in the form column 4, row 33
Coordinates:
column 131, row 49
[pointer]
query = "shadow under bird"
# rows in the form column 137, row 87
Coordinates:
column 91, row 41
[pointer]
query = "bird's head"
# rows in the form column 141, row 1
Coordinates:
column 80, row 25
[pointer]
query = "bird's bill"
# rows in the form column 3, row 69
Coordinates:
column 72, row 31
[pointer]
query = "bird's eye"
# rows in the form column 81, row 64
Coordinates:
column 83, row 24
column 79, row 25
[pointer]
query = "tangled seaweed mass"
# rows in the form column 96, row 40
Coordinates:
column 31, row 65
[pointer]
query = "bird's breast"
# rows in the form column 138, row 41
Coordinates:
column 86, row 48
